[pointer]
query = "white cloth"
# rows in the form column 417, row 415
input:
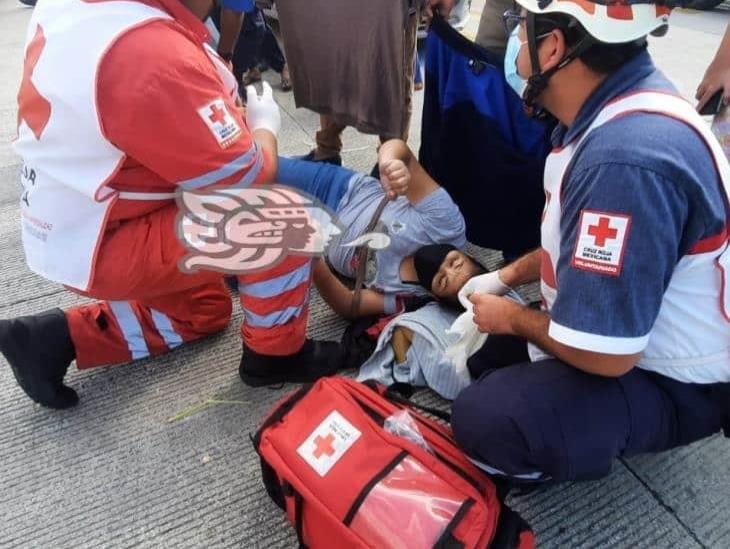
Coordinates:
column 468, row 338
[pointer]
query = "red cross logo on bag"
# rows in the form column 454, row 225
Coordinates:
column 328, row 443
column 323, row 446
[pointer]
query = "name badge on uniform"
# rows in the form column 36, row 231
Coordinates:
column 220, row 122
column 601, row 241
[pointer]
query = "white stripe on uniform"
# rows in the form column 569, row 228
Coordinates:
column 166, row 330
column 131, row 329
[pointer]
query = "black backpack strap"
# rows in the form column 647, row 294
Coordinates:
column 289, row 491
column 512, row 531
column 447, row 539
column 362, row 259
column 395, row 397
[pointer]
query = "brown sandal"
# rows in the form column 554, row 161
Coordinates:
column 286, row 84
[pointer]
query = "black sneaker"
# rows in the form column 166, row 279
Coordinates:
column 310, row 157
column 314, row 360
column 39, row 350
column 30, row 3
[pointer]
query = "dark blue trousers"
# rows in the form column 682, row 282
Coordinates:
column 256, row 44
column 547, row 420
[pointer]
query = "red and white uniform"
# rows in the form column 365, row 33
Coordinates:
column 688, row 339
column 122, row 102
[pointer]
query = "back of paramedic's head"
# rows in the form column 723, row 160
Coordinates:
column 550, row 37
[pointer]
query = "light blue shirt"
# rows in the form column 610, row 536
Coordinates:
column 436, row 219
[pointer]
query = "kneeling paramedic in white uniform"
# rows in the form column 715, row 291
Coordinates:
column 631, row 350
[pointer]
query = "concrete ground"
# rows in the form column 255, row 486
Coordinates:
column 142, row 462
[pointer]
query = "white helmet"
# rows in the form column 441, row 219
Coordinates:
column 609, row 21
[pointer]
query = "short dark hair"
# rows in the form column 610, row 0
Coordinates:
column 600, row 57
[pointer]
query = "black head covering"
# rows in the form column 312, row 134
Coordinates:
column 427, row 261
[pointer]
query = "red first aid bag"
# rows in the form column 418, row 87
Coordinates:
column 345, row 480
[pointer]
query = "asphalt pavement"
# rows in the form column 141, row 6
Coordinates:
column 146, row 460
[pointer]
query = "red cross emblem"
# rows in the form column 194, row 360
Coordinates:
column 602, row 232
column 32, row 106
column 620, row 9
column 218, row 115
column 323, row 446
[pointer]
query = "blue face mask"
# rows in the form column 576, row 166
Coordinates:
column 514, row 45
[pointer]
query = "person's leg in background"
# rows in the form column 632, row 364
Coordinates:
column 410, row 43
column 272, row 55
column 410, row 60
column 248, row 48
column 549, row 421
column 329, row 142
column 417, row 72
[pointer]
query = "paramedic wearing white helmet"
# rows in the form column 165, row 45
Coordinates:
column 631, row 350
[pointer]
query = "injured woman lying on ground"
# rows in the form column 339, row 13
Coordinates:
column 425, row 230
column 423, row 264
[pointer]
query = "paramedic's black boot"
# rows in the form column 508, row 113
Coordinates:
column 39, row 350
column 314, row 360
column 311, row 157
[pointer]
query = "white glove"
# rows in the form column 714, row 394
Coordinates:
column 262, row 112
column 489, row 283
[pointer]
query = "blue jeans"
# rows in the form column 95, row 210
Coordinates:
column 325, row 182
column 256, row 44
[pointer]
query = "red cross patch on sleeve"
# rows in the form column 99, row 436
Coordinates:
column 601, row 241
column 220, row 122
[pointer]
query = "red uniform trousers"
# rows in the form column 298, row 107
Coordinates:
column 152, row 307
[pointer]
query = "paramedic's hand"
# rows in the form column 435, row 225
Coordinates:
column 494, row 314
column 489, row 283
column 395, row 177
column 262, row 112
column 444, row 8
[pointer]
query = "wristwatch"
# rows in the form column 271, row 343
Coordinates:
column 227, row 57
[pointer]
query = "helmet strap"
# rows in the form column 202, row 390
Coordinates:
column 537, row 83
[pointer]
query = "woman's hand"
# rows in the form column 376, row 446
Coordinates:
column 717, row 76
column 395, row 177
